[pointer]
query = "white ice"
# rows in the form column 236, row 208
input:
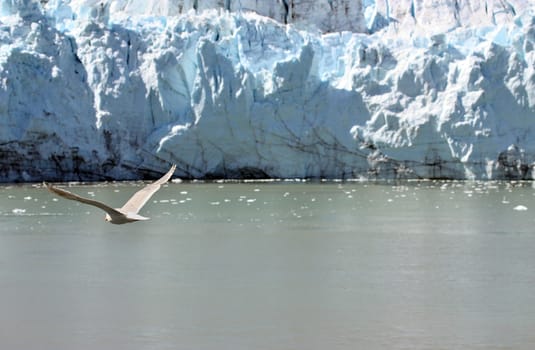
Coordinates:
column 93, row 90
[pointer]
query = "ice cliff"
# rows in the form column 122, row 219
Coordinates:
column 95, row 90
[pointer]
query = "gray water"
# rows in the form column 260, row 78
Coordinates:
column 431, row 265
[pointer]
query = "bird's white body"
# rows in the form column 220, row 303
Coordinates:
column 124, row 219
column 128, row 212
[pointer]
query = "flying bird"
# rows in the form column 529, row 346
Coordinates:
column 129, row 211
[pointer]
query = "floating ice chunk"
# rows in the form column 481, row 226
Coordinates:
column 520, row 208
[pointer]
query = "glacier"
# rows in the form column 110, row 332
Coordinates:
column 336, row 89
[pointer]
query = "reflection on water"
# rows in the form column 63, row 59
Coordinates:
column 271, row 266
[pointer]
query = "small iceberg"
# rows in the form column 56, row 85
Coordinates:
column 520, row 208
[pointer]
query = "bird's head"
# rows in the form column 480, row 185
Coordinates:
column 107, row 218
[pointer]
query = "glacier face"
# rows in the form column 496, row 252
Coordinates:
column 94, row 90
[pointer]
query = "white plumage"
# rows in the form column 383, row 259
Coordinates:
column 129, row 211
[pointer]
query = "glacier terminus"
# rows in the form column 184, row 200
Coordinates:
column 101, row 90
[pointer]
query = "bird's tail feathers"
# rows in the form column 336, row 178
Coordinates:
column 136, row 217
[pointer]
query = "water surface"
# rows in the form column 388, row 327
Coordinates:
column 433, row 265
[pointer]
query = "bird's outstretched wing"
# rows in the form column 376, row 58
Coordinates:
column 114, row 213
column 138, row 200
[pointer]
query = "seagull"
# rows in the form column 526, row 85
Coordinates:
column 129, row 211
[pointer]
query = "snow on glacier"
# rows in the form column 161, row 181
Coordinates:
column 97, row 90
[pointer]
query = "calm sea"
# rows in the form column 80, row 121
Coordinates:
column 276, row 265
